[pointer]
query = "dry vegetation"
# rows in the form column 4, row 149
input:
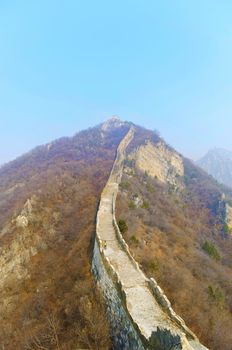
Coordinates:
column 48, row 298
column 53, row 303
column 179, row 239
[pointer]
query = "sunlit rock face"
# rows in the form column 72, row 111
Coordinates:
column 23, row 219
column 229, row 216
column 161, row 162
column 15, row 256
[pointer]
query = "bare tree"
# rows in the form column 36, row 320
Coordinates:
column 94, row 333
column 44, row 338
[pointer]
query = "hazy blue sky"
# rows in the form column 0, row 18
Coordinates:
column 66, row 65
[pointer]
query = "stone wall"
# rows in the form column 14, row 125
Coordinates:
column 129, row 325
column 125, row 334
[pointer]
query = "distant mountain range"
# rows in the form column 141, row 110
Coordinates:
column 218, row 163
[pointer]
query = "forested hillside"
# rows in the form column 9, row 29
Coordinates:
column 48, row 203
column 172, row 214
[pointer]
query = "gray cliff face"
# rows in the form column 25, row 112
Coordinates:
column 218, row 163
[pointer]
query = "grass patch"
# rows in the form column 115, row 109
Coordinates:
column 145, row 205
column 131, row 205
column 150, row 188
column 134, row 240
column 125, row 185
column 217, row 295
column 211, row 250
column 122, row 226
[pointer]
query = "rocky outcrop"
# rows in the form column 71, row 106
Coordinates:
column 140, row 314
column 229, row 216
column 161, row 162
column 23, row 219
column 112, row 123
column 20, row 243
column 15, row 256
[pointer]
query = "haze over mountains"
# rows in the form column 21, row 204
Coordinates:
column 174, row 219
column 218, row 163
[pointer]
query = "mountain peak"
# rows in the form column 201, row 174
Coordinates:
column 113, row 122
column 218, row 163
column 220, row 152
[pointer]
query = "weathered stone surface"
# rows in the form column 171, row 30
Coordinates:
column 125, row 335
column 161, row 162
column 22, row 221
column 229, row 216
column 15, row 255
column 139, row 313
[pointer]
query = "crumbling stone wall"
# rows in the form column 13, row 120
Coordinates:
column 128, row 334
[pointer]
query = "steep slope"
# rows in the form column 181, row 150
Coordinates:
column 218, row 163
column 173, row 216
column 48, row 204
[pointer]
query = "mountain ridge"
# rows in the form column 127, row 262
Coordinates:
column 51, row 240
column 218, row 163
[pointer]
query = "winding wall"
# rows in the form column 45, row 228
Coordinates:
column 140, row 314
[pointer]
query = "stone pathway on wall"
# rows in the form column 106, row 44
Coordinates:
column 141, row 303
